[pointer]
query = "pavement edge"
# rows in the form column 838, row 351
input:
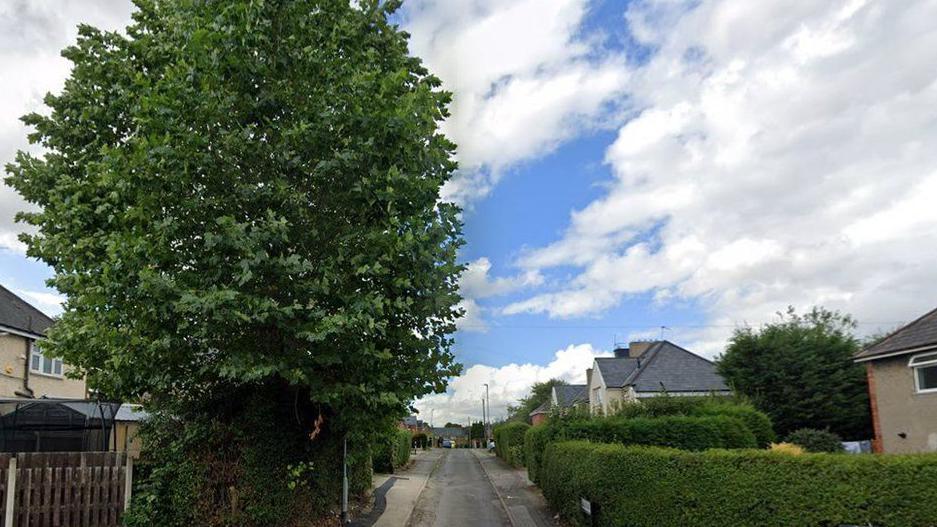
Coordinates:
column 491, row 482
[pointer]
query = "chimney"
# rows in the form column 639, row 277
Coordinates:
column 621, row 352
column 636, row 349
column 588, row 378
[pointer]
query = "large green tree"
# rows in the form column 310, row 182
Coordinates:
column 799, row 370
column 241, row 200
column 540, row 392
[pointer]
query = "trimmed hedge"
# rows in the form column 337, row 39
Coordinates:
column 509, row 442
column 392, row 451
column 684, row 432
column 657, row 487
column 758, row 422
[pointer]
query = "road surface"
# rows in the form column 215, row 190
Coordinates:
column 459, row 494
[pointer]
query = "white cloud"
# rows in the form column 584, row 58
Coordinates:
column 782, row 155
column 476, row 282
column 507, row 385
column 32, row 34
column 48, row 303
column 523, row 79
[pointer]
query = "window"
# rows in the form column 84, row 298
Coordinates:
column 39, row 363
column 925, row 372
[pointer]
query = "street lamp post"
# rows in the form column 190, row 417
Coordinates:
column 488, row 414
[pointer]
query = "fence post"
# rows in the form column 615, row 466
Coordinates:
column 128, row 481
column 11, row 493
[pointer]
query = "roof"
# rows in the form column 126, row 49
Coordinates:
column 663, row 367
column 18, row 314
column 544, row 408
column 616, row 371
column 571, row 394
column 921, row 333
column 449, row 432
column 130, row 413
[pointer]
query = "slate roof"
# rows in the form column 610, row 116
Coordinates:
column 918, row 334
column 16, row 313
column 544, row 408
column 571, row 394
column 663, row 367
column 450, row 432
column 615, row 371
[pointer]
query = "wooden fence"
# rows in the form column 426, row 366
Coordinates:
column 64, row 489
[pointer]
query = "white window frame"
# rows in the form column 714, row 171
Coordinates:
column 35, row 352
column 920, row 361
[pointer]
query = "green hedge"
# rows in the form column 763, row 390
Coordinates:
column 678, row 431
column 509, row 442
column 392, row 451
column 657, row 487
column 758, row 422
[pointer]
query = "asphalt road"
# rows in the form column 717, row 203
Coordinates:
column 459, row 494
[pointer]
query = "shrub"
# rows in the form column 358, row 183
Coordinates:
column 813, row 440
column 509, row 442
column 758, row 422
column 684, row 432
column 656, row 487
column 420, row 440
column 392, row 451
column 787, row 448
column 535, row 442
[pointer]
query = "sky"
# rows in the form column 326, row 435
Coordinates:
column 633, row 169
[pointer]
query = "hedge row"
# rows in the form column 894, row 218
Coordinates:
column 657, row 487
column 758, row 422
column 509, row 442
column 684, row 432
column 392, row 451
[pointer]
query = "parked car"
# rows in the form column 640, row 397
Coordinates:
column 446, row 443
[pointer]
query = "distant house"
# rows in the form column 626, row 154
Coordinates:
column 455, row 434
column 902, row 375
column 562, row 397
column 650, row 369
column 24, row 370
column 413, row 424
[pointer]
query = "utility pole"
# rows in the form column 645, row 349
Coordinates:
column 488, row 413
column 345, row 480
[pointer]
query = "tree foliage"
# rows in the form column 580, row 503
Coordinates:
column 246, row 193
column 477, row 431
column 800, row 372
column 540, row 392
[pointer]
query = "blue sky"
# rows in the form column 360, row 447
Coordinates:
column 626, row 165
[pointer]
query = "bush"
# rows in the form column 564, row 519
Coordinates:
column 420, row 440
column 684, row 432
column 758, row 422
column 509, row 442
column 816, row 440
column 656, row 487
column 392, row 451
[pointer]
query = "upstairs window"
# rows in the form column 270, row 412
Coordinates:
column 925, row 372
column 39, row 363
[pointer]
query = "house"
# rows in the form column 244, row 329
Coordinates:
column 413, row 424
column 562, row 397
column 24, row 370
column 902, row 375
column 650, row 369
column 457, row 435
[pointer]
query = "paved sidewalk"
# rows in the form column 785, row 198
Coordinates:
column 406, row 489
column 522, row 498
